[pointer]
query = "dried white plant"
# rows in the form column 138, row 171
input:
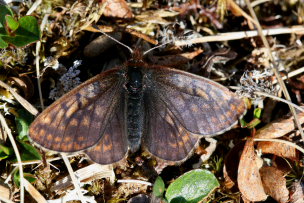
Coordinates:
column 256, row 80
column 67, row 81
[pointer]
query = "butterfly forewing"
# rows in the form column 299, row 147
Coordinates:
column 78, row 120
column 200, row 105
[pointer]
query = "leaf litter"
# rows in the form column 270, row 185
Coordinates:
column 251, row 171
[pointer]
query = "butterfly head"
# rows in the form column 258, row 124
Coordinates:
column 136, row 59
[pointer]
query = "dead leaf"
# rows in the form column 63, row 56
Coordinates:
column 22, row 83
column 297, row 193
column 249, row 179
column 231, row 165
column 279, row 149
column 245, row 200
column 4, row 191
column 274, row 183
column 117, row 9
column 229, row 183
column 161, row 164
column 278, row 128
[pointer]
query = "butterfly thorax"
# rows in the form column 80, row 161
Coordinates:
column 134, row 84
column 134, row 106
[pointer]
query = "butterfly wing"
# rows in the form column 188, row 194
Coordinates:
column 201, row 105
column 182, row 105
column 84, row 117
column 165, row 137
column 113, row 146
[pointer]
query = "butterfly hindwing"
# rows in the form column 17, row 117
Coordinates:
column 78, row 120
column 165, row 137
column 113, row 146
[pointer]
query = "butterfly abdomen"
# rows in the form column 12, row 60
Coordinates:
column 134, row 108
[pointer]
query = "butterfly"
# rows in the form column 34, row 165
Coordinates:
column 137, row 106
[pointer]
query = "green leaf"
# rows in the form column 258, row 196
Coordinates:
column 6, row 150
column 29, row 153
column 253, row 123
column 3, row 44
column 243, row 122
column 3, row 155
column 23, row 121
column 27, row 32
column 4, row 10
column 31, row 178
column 192, row 187
column 159, row 187
column 257, row 113
column 11, row 23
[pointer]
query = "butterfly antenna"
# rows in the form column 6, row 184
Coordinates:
column 112, row 38
column 157, row 47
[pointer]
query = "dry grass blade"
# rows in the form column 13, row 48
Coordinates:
column 37, row 59
column 40, row 162
column 73, row 177
column 38, row 46
column 273, row 97
column 5, row 200
column 135, row 181
column 274, row 67
column 10, row 136
column 20, row 99
column 240, row 35
column 279, row 99
column 291, row 74
column 34, row 7
column 33, row 192
column 87, row 174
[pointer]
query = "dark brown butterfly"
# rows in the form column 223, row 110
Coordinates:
column 163, row 110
